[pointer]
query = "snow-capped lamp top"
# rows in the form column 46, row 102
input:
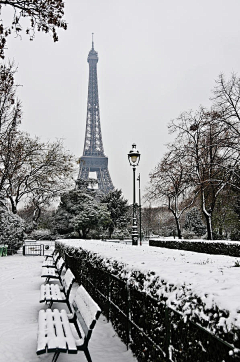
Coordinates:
column 134, row 156
column 92, row 55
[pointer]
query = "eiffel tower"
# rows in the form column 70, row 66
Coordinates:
column 93, row 158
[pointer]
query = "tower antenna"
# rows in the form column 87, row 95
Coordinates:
column 92, row 41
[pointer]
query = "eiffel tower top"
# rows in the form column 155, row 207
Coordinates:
column 93, row 55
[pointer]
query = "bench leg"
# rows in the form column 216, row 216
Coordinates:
column 49, row 304
column 87, row 354
column 69, row 306
column 55, row 357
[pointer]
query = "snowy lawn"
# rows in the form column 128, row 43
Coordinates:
column 214, row 278
column 20, row 280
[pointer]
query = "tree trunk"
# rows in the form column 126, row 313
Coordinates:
column 208, row 218
column 178, row 227
column 14, row 207
column 36, row 214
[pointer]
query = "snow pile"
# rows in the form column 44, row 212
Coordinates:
column 202, row 286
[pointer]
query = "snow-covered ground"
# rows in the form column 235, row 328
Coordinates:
column 214, row 278
column 20, row 280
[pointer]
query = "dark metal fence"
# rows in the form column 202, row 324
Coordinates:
column 33, row 249
column 154, row 331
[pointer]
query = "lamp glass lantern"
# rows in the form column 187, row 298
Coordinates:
column 134, row 156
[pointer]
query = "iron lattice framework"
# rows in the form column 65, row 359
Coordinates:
column 94, row 159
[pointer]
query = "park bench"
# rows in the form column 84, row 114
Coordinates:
column 53, row 293
column 53, row 273
column 59, row 332
column 51, row 262
column 51, row 255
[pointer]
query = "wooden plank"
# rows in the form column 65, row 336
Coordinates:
column 88, row 308
column 42, row 341
column 58, row 327
column 52, row 342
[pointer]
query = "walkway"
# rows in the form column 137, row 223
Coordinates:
column 19, row 305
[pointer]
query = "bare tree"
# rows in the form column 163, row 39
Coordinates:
column 10, row 118
column 227, row 102
column 37, row 172
column 171, row 184
column 208, row 149
column 43, row 15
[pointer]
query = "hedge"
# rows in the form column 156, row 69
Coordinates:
column 141, row 316
column 199, row 246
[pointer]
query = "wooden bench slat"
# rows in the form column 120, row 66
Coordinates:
column 71, row 341
column 51, row 339
column 58, row 328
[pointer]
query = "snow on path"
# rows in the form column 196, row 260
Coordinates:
column 20, row 280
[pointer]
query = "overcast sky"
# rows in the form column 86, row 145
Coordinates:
column 157, row 58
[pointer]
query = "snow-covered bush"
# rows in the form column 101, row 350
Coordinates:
column 42, row 234
column 12, row 230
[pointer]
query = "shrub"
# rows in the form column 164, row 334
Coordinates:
column 12, row 230
column 42, row 234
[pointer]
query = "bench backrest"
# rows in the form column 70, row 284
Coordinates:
column 51, row 255
column 67, row 282
column 60, row 265
column 87, row 311
column 56, row 257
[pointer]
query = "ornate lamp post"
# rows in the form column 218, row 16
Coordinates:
column 134, row 158
column 140, row 210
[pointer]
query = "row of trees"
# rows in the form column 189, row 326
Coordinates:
column 32, row 172
column 201, row 166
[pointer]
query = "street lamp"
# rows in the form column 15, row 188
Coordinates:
column 134, row 158
column 140, row 210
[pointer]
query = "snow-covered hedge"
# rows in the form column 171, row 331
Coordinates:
column 219, row 247
column 12, row 230
column 165, row 309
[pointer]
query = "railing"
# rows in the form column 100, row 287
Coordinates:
column 154, row 331
column 33, row 249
